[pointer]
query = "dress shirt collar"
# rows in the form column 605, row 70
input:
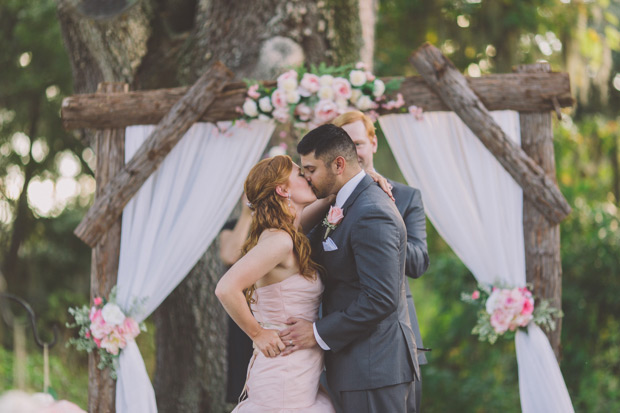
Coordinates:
column 347, row 189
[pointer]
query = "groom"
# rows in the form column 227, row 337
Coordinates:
column 371, row 362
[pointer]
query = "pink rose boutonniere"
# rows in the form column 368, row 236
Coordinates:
column 332, row 219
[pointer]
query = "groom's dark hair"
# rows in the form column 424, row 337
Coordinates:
column 328, row 142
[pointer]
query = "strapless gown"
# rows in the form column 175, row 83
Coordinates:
column 291, row 383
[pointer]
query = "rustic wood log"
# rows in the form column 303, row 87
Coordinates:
column 523, row 92
column 110, row 153
column 454, row 89
column 543, row 264
column 151, row 154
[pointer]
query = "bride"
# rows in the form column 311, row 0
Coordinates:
column 274, row 280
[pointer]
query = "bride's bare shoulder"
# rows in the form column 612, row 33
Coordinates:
column 276, row 238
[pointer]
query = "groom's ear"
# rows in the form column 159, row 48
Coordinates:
column 339, row 164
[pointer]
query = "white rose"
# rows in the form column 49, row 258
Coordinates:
column 364, row 103
column 326, row 93
column 288, row 84
column 292, row 96
column 357, row 77
column 250, row 108
column 326, row 80
column 265, row 104
column 342, row 103
column 355, row 95
column 112, row 314
column 378, row 88
column 493, row 301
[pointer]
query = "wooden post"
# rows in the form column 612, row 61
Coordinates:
column 121, row 188
column 110, row 152
column 507, row 91
column 454, row 90
column 542, row 238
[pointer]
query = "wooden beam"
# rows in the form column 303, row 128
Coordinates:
column 117, row 193
column 454, row 90
column 543, row 263
column 523, row 92
column 110, row 153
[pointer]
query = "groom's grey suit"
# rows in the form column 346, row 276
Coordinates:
column 365, row 317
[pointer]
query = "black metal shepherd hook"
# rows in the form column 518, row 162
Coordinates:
column 33, row 319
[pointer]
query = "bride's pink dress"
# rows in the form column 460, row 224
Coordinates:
column 291, row 383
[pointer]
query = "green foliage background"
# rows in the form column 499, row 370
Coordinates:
column 51, row 267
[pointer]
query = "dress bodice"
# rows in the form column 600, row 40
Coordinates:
column 295, row 296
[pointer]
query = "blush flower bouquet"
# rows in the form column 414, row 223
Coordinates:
column 503, row 310
column 104, row 328
column 309, row 98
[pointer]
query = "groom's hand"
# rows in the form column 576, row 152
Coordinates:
column 298, row 336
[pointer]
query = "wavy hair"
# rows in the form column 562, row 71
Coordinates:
column 271, row 211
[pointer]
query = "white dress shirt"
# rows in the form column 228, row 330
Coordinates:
column 342, row 196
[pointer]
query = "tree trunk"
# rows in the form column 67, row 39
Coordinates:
column 191, row 342
column 168, row 43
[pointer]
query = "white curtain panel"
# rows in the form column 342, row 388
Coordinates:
column 477, row 208
column 171, row 222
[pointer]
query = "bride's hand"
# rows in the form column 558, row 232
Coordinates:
column 269, row 343
column 383, row 183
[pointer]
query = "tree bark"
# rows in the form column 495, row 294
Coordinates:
column 110, row 152
column 453, row 88
column 169, row 43
column 543, row 264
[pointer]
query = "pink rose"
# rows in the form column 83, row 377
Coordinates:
column 130, row 329
column 98, row 301
column 253, row 92
column 528, row 307
column 98, row 327
column 475, row 295
column 113, row 342
column 416, row 112
column 500, row 321
column 278, row 99
column 335, row 215
column 281, row 114
column 342, row 87
column 361, row 65
column 325, row 110
column 309, row 84
column 304, row 112
column 370, row 76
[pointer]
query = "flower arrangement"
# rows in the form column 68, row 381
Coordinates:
column 104, row 328
column 332, row 219
column 502, row 310
column 311, row 98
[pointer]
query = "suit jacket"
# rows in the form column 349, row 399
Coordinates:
column 365, row 316
column 409, row 204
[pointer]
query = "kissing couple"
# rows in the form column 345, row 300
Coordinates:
column 351, row 262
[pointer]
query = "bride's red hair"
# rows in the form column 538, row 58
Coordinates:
column 271, row 211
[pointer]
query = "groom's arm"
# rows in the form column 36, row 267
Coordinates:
column 376, row 245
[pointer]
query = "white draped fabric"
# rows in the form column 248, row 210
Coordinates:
column 170, row 223
column 477, row 208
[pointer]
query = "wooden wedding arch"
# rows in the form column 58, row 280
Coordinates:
column 532, row 90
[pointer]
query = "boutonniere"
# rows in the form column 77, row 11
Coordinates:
column 332, row 219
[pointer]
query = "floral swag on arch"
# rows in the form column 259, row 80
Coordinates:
column 309, row 98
